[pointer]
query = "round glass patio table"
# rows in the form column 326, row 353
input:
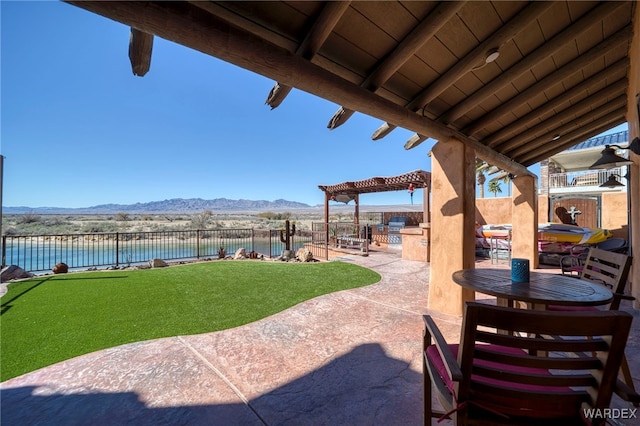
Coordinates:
column 541, row 290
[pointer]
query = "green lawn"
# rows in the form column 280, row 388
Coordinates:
column 49, row 319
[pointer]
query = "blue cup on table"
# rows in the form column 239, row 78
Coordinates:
column 519, row 271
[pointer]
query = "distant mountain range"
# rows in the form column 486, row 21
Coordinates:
column 175, row 205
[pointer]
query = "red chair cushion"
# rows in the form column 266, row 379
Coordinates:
column 571, row 308
column 507, row 405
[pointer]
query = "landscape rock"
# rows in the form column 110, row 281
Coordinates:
column 13, row 272
column 157, row 263
column 60, row 268
column 241, row 253
column 304, row 255
column 286, row 256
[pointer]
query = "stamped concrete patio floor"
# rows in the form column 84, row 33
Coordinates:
column 347, row 358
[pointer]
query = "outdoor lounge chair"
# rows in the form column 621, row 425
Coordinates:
column 493, row 378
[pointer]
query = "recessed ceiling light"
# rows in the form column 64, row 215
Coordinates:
column 492, row 55
column 555, row 137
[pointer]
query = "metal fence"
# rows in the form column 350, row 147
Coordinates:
column 584, row 178
column 37, row 253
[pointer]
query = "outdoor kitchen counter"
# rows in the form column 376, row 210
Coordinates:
column 415, row 242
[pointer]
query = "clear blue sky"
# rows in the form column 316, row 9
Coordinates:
column 79, row 129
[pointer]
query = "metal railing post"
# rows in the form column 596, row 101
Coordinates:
column 117, row 249
column 4, row 251
column 197, row 244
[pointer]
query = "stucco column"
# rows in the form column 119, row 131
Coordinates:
column 524, row 243
column 452, row 224
column 633, row 188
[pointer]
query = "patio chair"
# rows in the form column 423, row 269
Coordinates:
column 574, row 262
column 611, row 270
column 492, row 378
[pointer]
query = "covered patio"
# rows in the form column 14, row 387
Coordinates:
column 511, row 83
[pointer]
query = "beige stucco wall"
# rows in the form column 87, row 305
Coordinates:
column 615, row 214
column 493, row 210
column 614, row 211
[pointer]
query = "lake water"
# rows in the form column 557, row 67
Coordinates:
column 41, row 256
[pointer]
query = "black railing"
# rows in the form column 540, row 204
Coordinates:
column 37, row 253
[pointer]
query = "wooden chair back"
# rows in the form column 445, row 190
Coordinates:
column 610, row 269
column 503, row 379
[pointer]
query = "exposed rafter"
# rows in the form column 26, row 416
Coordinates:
column 521, row 124
column 567, row 115
column 140, row 47
column 593, row 54
column 529, row 61
column 405, row 50
column 192, row 27
column 505, row 33
column 322, row 27
column 571, row 125
column 595, row 127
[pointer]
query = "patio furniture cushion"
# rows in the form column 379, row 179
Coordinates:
column 506, row 405
column 571, row 308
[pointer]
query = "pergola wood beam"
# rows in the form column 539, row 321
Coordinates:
column 580, row 134
column 555, row 121
column 315, row 38
column 196, row 29
column 140, row 47
column 504, row 34
column 593, row 54
column 421, row 34
column 524, row 66
column 521, row 124
column 575, row 123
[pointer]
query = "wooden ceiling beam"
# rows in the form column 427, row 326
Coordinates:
column 584, row 119
column 192, row 27
column 315, row 38
column 504, row 34
column 140, row 47
column 421, row 34
column 521, row 124
column 580, row 134
column 576, row 139
column 559, row 41
column 555, row 121
column 592, row 55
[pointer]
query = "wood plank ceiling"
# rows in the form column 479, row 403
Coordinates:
column 560, row 75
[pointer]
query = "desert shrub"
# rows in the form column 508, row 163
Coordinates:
column 202, row 220
column 121, row 216
column 28, row 218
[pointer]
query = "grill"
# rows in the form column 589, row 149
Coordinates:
column 396, row 223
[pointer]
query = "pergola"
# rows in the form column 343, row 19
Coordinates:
column 509, row 82
column 351, row 190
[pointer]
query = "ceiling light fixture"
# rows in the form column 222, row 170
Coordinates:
column 555, row 137
column 610, row 159
column 492, row 55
